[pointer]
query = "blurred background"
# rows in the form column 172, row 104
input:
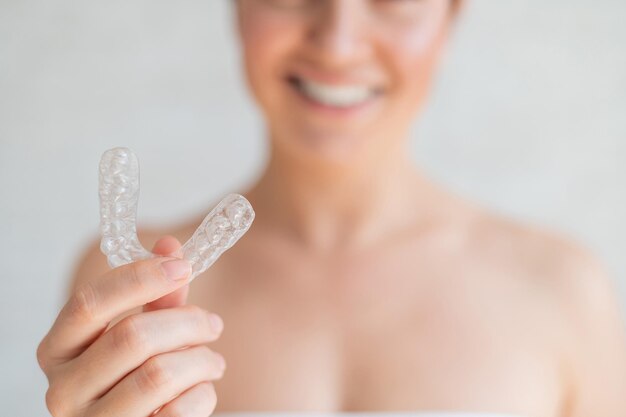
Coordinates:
column 527, row 117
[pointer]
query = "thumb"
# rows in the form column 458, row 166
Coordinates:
column 168, row 246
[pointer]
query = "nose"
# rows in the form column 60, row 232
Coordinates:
column 338, row 32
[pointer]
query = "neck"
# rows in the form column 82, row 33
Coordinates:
column 340, row 206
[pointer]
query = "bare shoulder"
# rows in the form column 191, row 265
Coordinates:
column 575, row 277
column 580, row 291
column 535, row 252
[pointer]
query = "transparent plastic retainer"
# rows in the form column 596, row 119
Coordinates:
column 119, row 195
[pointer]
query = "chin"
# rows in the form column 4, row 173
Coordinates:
column 326, row 147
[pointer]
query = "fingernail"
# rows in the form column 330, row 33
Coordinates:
column 176, row 270
column 216, row 322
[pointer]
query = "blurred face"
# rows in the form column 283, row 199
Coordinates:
column 341, row 79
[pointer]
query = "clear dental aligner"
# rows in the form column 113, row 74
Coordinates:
column 119, row 195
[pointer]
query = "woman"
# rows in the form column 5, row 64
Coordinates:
column 361, row 285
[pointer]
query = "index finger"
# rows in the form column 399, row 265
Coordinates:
column 94, row 304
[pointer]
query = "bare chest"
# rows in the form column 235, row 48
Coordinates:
column 386, row 335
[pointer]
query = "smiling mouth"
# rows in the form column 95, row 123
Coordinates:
column 334, row 95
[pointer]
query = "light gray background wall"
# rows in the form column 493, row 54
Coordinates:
column 527, row 117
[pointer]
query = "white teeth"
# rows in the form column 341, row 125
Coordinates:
column 334, row 95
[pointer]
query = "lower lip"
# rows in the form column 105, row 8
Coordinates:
column 334, row 110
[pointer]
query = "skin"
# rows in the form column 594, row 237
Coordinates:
column 362, row 285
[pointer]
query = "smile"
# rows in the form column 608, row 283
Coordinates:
column 334, row 95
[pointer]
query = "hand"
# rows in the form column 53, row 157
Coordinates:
column 149, row 363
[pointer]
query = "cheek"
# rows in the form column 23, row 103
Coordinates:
column 266, row 40
column 412, row 54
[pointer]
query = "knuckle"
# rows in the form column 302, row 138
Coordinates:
column 143, row 275
column 153, row 375
column 134, row 274
column 83, row 304
column 199, row 318
column 128, row 335
column 204, row 322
